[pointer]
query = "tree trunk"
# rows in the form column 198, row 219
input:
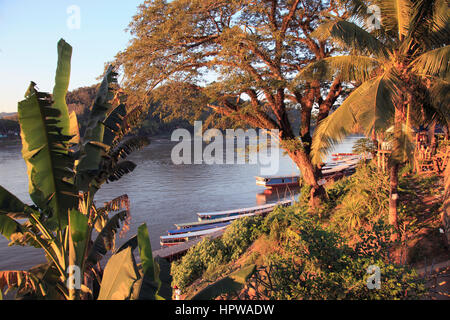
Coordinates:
column 393, row 195
column 310, row 176
column 394, row 165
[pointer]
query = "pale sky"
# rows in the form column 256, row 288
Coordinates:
column 30, row 30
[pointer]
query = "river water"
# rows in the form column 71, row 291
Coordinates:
column 161, row 193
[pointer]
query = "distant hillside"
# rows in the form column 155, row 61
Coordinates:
column 8, row 115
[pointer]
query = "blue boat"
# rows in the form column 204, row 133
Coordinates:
column 199, row 228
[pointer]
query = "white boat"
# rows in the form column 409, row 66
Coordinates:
column 210, row 222
column 171, row 240
column 239, row 212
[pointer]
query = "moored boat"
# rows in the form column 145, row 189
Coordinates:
column 210, row 222
column 175, row 239
column 238, row 212
column 198, row 228
column 277, row 181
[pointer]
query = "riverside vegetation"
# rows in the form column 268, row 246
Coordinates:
column 297, row 254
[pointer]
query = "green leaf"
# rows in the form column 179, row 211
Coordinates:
column 145, row 251
column 9, row 226
column 78, row 228
column 349, row 68
column 62, row 80
column 350, row 36
column 11, row 206
column 46, row 153
column 233, row 283
column 74, row 131
column 106, row 239
column 119, row 277
column 92, row 158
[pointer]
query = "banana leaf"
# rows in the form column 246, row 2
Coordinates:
column 91, row 160
column 46, row 153
column 78, row 228
column 148, row 286
column 105, row 240
column 11, row 206
column 119, row 277
column 62, row 79
column 233, row 283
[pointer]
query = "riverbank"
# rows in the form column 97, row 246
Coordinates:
column 350, row 215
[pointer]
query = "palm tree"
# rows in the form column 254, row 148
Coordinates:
column 402, row 68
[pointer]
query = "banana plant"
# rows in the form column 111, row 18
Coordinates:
column 65, row 171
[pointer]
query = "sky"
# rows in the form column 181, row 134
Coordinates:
column 30, row 31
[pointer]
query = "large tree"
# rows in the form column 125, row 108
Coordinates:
column 254, row 49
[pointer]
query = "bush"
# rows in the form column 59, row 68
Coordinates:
column 316, row 263
column 210, row 255
column 364, row 198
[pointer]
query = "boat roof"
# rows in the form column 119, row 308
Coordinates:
column 278, row 177
column 198, row 228
column 191, row 234
column 257, row 208
column 206, row 222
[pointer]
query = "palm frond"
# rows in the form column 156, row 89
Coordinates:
column 370, row 107
column 349, row 68
column 351, row 37
column 396, row 15
column 434, row 63
column 440, row 98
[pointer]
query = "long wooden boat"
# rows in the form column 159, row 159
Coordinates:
column 175, row 239
column 198, row 228
column 238, row 212
column 278, row 181
column 210, row 222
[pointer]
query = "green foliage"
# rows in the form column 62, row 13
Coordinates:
column 230, row 284
column 359, row 199
column 308, row 261
column 363, row 146
column 64, row 174
column 209, row 255
column 316, row 263
column 124, row 279
column 408, row 50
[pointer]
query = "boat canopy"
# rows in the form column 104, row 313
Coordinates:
column 190, row 234
column 198, row 228
column 210, row 222
column 245, row 210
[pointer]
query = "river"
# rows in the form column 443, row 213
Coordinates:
column 161, row 193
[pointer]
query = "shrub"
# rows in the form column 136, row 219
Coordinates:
column 210, row 255
column 316, row 263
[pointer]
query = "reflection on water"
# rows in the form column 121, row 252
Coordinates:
column 160, row 192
